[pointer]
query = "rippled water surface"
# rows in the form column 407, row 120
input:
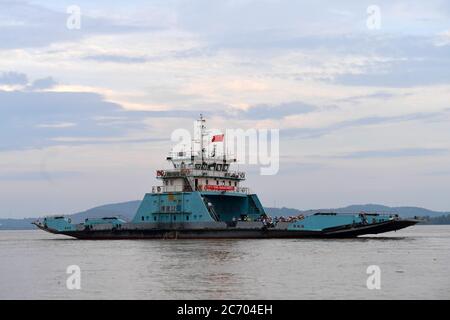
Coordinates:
column 415, row 263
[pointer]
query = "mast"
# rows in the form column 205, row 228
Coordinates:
column 202, row 127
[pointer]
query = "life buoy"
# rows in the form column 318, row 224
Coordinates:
column 160, row 173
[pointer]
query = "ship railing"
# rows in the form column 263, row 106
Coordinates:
column 223, row 189
column 163, row 189
column 238, row 175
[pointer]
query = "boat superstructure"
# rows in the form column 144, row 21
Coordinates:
column 201, row 196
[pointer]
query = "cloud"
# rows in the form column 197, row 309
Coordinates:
column 409, row 73
column 31, row 119
column 406, row 61
column 34, row 25
column 13, row 78
column 276, row 111
column 394, row 153
column 364, row 121
column 168, row 55
column 116, row 58
column 37, row 119
column 57, row 125
column 381, row 95
column 44, row 83
column 255, row 112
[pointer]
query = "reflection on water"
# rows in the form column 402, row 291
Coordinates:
column 414, row 263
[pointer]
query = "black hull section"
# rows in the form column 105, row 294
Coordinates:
column 234, row 233
column 370, row 229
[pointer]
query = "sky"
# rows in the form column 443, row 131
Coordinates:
column 363, row 110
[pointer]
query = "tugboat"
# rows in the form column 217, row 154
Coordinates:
column 202, row 198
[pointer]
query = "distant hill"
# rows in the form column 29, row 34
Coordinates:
column 17, row 224
column 437, row 220
column 278, row 212
column 126, row 210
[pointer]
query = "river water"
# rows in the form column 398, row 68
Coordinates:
column 414, row 264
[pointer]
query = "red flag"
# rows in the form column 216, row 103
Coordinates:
column 217, row 138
